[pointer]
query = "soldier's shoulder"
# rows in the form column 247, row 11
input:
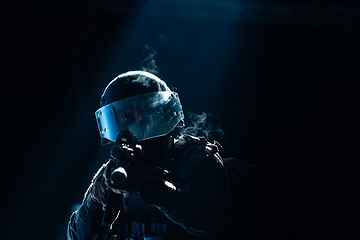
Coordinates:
column 198, row 145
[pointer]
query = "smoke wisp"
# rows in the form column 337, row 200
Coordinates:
column 204, row 125
column 149, row 64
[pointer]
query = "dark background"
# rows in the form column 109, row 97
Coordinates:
column 281, row 77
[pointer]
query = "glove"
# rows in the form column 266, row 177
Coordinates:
column 135, row 169
column 97, row 188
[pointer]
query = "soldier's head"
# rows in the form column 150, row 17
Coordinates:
column 140, row 102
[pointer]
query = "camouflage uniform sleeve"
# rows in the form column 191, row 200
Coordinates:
column 85, row 223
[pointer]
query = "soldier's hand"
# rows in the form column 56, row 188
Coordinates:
column 97, row 188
